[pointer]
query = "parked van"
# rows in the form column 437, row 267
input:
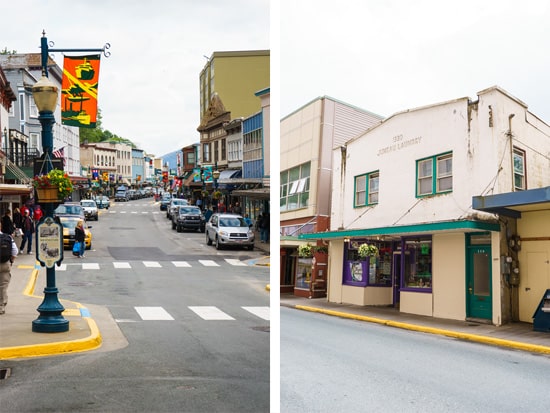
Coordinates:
column 122, row 194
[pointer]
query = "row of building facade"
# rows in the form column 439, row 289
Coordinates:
column 454, row 196
column 233, row 141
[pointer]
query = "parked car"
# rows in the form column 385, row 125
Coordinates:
column 90, row 209
column 102, row 201
column 121, row 195
column 173, row 205
column 165, row 200
column 70, row 208
column 69, row 223
column 188, row 217
column 229, row 230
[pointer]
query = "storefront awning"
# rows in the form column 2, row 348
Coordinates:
column 404, row 230
column 15, row 189
column 512, row 204
column 258, row 193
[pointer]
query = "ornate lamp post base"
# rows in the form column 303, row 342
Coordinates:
column 50, row 319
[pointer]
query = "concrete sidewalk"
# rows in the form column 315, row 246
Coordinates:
column 25, row 294
column 520, row 336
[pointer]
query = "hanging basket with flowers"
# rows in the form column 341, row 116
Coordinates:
column 216, row 194
column 305, row 251
column 366, row 250
column 52, row 187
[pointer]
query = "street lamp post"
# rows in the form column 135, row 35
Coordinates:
column 45, row 95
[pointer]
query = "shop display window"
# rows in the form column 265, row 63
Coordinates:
column 303, row 273
column 370, row 271
column 417, row 269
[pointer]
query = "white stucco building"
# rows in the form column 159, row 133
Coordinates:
column 407, row 186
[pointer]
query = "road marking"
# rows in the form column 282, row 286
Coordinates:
column 262, row 312
column 209, row 263
column 124, row 320
column 62, row 267
column 181, row 263
column 144, row 212
column 233, row 261
column 153, row 313
column 90, row 266
column 152, row 264
column 210, row 313
column 121, row 265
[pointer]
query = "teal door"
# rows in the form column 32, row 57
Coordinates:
column 479, row 298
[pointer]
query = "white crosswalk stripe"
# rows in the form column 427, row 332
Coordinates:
column 210, row 313
column 90, row 266
column 209, row 263
column 233, row 261
column 153, row 313
column 262, row 312
column 121, row 265
column 152, row 264
column 181, row 264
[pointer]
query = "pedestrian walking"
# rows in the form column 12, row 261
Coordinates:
column 17, row 222
column 237, row 208
column 28, row 229
column 79, row 235
column 221, row 207
column 7, row 223
column 38, row 213
column 264, row 227
column 6, row 260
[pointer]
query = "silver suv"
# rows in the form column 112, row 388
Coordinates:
column 90, row 209
column 229, row 230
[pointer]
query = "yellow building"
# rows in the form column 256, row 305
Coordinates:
column 235, row 76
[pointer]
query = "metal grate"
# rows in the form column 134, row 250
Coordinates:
column 5, row 373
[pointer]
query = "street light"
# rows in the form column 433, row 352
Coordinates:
column 50, row 319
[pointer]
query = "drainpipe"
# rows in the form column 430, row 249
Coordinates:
column 511, row 147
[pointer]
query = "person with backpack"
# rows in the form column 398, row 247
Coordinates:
column 8, row 252
column 7, row 223
column 28, row 229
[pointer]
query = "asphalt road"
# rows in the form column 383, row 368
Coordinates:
column 330, row 364
column 196, row 321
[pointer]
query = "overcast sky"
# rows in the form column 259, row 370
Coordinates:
column 149, row 86
column 386, row 56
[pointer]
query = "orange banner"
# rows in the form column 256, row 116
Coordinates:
column 79, row 91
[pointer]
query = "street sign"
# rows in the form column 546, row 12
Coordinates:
column 49, row 242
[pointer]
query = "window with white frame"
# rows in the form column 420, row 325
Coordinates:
column 434, row 175
column 33, row 140
column 519, row 170
column 294, row 187
column 33, row 110
column 366, row 189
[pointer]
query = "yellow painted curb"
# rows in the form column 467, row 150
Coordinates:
column 431, row 330
column 91, row 342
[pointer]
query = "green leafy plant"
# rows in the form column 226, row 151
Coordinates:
column 55, row 178
column 366, row 250
column 305, row 251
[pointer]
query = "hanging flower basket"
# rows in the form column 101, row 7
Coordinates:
column 366, row 250
column 217, row 194
column 52, row 187
column 305, row 251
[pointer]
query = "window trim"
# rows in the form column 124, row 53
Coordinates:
column 520, row 152
column 435, row 178
column 367, row 190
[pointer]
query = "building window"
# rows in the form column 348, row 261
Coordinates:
column 366, row 189
column 33, row 110
column 294, row 189
column 417, row 264
column 369, row 271
column 206, row 152
column 519, row 170
column 434, row 175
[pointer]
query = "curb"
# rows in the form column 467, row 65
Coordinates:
column 431, row 330
column 92, row 342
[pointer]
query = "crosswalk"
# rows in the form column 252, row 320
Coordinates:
column 207, row 313
column 126, row 265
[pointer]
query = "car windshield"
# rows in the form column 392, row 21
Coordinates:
column 232, row 222
column 88, row 203
column 189, row 210
column 69, row 209
column 179, row 202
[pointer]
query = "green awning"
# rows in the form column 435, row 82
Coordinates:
column 403, row 230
